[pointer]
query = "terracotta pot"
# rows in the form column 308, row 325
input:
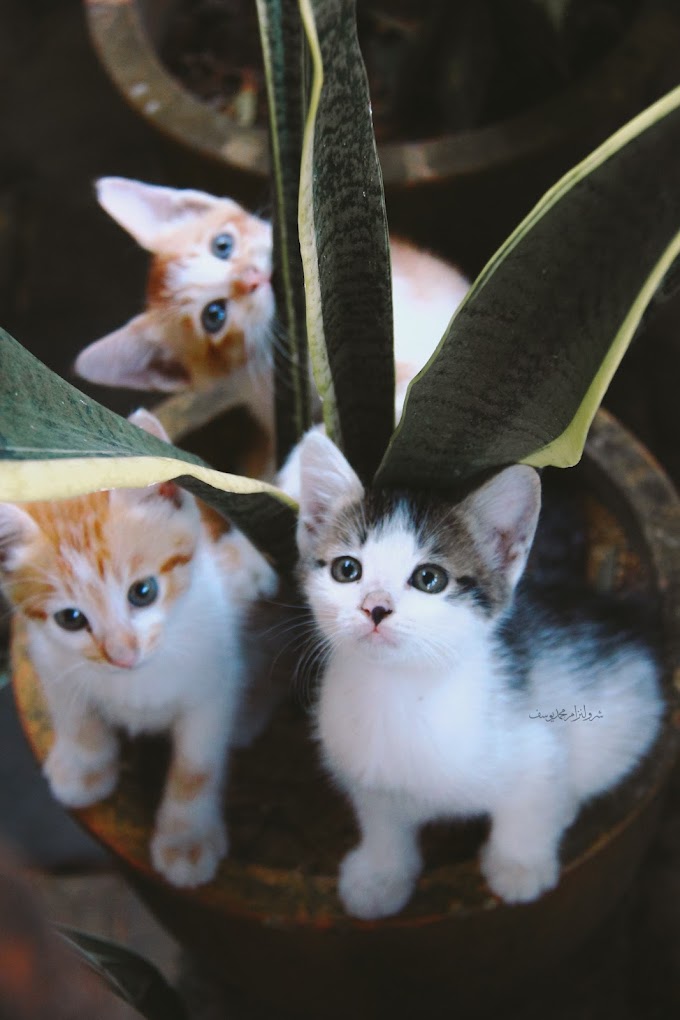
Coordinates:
column 461, row 193
column 271, row 924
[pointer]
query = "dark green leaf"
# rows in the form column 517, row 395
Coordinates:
column 344, row 242
column 55, row 442
column 530, row 352
column 283, row 48
column 132, row 978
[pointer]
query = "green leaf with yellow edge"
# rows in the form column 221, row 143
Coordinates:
column 344, row 242
column 55, row 443
column 529, row 354
column 283, row 51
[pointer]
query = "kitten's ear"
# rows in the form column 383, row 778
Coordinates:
column 166, row 496
column 135, row 357
column 144, row 419
column 147, row 421
column 327, row 482
column 17, row 531
column 147, row 211
column 502, row 516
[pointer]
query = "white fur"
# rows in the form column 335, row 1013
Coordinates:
column 417, row 719
column 177, row 665
column 191, row 685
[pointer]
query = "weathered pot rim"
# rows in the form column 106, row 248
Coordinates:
column 606, row 93
column 649, row 496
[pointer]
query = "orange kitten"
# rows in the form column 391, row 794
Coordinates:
column 133, row 612
column 210, row 305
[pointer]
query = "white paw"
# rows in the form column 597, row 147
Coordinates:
column 188, row 857
column 369, row 891
column 75, row 784
column 518, row 880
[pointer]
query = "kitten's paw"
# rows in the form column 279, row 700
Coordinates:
column 519, row 881
column 188, row 857
column 368, row 891
column 75, row 784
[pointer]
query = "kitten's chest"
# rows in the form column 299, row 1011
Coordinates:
column 419, row 736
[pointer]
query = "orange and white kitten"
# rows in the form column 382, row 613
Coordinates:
column 210, row 306
column 133, row 613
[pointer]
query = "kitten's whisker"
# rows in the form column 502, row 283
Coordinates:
column 310, row 666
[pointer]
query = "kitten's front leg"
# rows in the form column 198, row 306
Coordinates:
column 190, row 837
column 520, row 860
column 82, row 765
column 377, row 877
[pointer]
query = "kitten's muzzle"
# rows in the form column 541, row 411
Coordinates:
column 377, row 605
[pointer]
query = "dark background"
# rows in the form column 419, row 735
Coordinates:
column 69, row 274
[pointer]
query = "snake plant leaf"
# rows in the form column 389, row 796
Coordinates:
column 283, row 50
column 132, row 978
column 55, row 442
column 344, row 242
column 529, row 354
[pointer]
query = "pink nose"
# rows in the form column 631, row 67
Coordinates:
column 122, row 651
column 377, row 605
column 249, row 280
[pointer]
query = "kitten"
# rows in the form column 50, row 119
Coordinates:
column 210, row 305
column 441, row 677
column 133, row 614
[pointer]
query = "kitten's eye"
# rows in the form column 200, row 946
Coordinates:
column 143, row 593
column 71, row 619
column 345, row 568
column 214, row 315
column 222, row 245
column 429, row 578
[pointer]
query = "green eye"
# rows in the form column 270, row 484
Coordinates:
column 71, row 619
column 429, row 578
column 143, row 593
column 345, row 569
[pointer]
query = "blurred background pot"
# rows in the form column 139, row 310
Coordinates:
column 460, row 192
column 271, row 924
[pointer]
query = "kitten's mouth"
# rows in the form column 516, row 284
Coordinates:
column 378, row 637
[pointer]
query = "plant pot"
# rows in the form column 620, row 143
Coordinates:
column 461, row 193
column 271, row 924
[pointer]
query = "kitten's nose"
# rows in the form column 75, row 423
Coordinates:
column 249, row 280
column 377, row 605
column 121, row 651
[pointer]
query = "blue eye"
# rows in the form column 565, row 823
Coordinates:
column 71, row 619
column 214, row 316
column 222, row 246
column 143, row 593
column 345, row 569
column 429, row 578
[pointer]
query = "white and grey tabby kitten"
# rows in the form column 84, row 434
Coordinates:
column 438, row 669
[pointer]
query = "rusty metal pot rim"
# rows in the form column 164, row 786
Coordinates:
column 126, row 52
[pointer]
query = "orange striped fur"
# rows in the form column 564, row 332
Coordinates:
column 86, row 553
